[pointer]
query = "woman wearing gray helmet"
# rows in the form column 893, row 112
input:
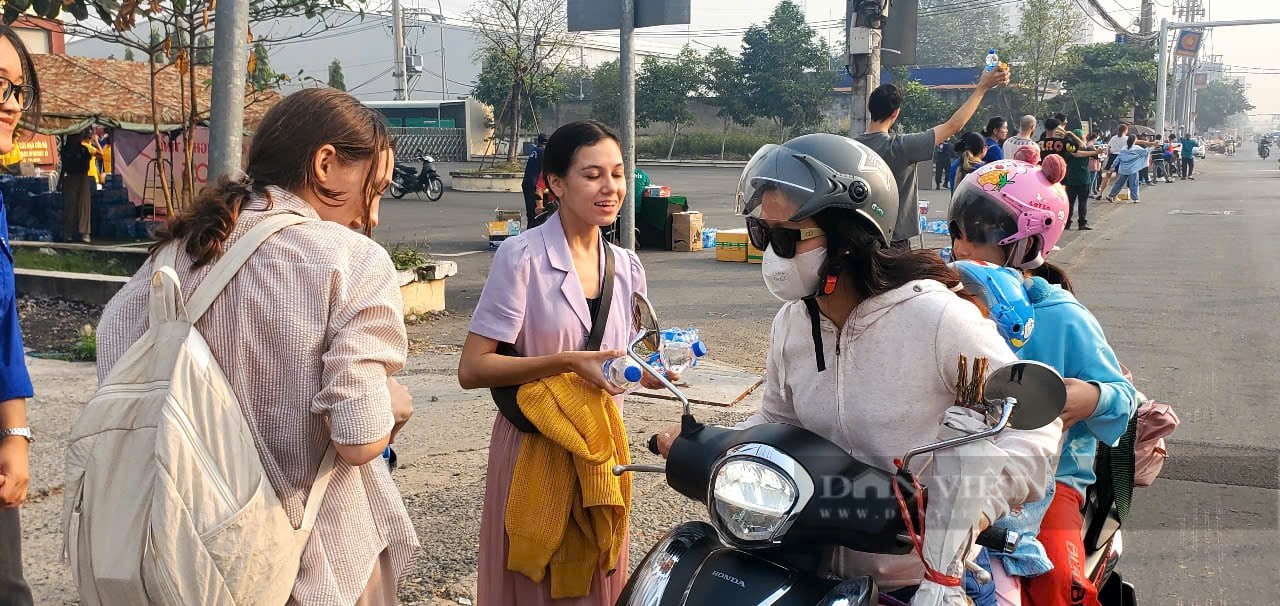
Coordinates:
column 865, row 348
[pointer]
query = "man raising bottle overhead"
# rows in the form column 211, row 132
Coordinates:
column 903, row 152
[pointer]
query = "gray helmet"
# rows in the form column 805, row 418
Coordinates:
column 822, row 171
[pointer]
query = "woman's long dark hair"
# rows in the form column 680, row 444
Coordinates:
column 282, row 154
column 859, row 256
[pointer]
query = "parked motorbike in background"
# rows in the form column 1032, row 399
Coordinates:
column 781, row 499
column 406, row 180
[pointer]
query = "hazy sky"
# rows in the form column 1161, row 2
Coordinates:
column 720, row 22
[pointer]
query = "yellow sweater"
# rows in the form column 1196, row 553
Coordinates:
column 566, row 510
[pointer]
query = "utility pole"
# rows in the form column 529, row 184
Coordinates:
column 863, row 22
column 397, row 60
column 627, row 67
column 444, row 80
column 1147, row 16
column 230, row 67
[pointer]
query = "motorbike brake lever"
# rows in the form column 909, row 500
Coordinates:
column 621, row 469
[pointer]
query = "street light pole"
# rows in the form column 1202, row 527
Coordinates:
column 230, row 69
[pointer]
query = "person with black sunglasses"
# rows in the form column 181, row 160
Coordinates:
column 864, row 351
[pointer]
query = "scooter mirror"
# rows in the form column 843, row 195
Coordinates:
column 1038, row 389
column 649, row 332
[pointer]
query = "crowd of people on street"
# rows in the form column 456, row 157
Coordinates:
column 268, row 299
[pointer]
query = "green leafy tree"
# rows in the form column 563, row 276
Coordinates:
column 336, row 79
column 667, row 86
column 528, row 40
column 157, row 42
column 261, row 76
column 204, row 50
column 1219, row 101
column 786, row 70
column 606, row 94
column 951, row 35
column 726, row 84
column 540, row 91
column 577, row 82
column 1109, row 81
column 1038, row 48
column 921, row 108
column 128, row 54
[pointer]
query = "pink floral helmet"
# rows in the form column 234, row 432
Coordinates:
column 1010, row 202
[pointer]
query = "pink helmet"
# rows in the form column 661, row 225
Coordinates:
column 1009, row 202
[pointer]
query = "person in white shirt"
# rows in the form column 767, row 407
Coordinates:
column 1026, row 129
column 1117, row 144
column 865, row 348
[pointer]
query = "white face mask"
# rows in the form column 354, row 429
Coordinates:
column 796, row 278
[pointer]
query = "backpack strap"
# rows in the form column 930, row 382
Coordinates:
column 318, row 488
column 166, row 289
column 231, row 262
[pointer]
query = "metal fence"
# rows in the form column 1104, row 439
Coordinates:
column 445, row 144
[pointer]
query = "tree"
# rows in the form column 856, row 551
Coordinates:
column 526, row 38
column 785, row 67
column 921, row 109
column 128, row 54
column 204, row 50
column 606, row 95
column 261, row 76
column 1219, row 101
column 1039, row 47
column 667, row 86
column 726, row 84
column 1110, row 81
column 158, row 49
column 540, row 91
column 336, row 80
column 940, row 40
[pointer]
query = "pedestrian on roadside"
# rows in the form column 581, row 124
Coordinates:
column 19, row 99
column 531, row 185
column 1026, row 130
column 1144, row 176
column 1095, row 164
column 543, row 297
column 308, row 332
column 77, row 188
column 1077, row 180
column 968, row 157
column 942, row 157
column 996, row 133
column 1059, row 142
column 1189, row 146
column 1117, row 144
column 1131, row 161
column 904, row 152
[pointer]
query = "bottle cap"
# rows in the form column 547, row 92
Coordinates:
column 632, row 373
column 699, row 349
column 991, row 51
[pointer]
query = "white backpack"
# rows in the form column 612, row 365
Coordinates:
column 167, row 501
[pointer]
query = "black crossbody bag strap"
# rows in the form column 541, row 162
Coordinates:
column 505, row 397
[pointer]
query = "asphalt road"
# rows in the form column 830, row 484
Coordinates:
column 1184, row 283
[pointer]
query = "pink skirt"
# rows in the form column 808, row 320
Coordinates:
column 497, row 586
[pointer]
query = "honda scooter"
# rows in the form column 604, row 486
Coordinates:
column 406, row 180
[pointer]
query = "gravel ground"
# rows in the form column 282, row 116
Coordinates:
column 53, row 325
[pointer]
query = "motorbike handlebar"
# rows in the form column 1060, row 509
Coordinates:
column 653, row 444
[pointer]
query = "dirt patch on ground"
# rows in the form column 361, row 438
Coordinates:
column 53, row 325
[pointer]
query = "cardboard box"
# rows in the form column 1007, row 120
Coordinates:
column 506, row 215
column 658, row 191
column 686, row 231
column 731, row 245
column 754, row 255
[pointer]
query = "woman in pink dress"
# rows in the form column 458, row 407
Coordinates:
column 540, row 298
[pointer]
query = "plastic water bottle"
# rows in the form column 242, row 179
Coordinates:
column 993, row 60
column 622, row 373
column 681, row 348
column 389, row 455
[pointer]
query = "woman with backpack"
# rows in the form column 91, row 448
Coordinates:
column 1013, row 214
column 308, row 333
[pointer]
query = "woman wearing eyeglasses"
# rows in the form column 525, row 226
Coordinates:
column 865, row 348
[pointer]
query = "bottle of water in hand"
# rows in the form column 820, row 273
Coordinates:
column 993, row 60
column 681, row 348
column 622, row 373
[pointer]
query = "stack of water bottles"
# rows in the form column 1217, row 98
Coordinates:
column 681, row 348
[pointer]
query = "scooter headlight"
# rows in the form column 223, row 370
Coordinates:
column 752, row 500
